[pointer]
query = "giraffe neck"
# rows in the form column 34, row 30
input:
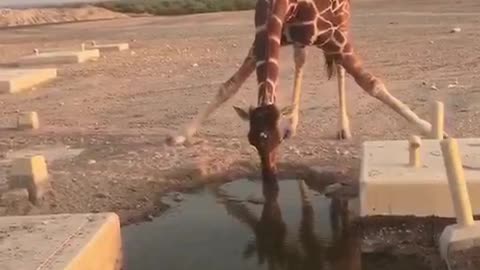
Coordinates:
column 269, row 19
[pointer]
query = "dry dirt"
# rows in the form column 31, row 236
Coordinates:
column 35, row 16
column 120, row 108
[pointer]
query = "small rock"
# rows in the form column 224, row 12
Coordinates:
column 456, row 30
column 434, row 87
column 194, row 65
column 255, row 199
column 177, row 197
column 44, row 222
column 102, row 195
column 150, row 218
column 133, row 53
column 431, row 42
column 92, row 161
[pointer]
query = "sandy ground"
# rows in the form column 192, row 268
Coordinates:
column 35, row 16
column 120, row 109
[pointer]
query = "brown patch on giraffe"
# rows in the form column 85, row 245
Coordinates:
column 272, row 71
column 305, row 12
column 261, row 17
column 274, row 26
column 302, row 33
column 261, row 72
column 332, row 47
column 339, row 37
column 323, row 24
column 323, row 38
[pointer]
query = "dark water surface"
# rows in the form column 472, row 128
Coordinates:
column 230, row 228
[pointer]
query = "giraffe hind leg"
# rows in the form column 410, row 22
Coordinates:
column 343, row 123
column 299, row 56
column 333, row 67
column 226, row 91
column 375, row 87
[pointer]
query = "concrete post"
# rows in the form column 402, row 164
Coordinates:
column 438, row 121
column 414, row 151
column 456, row 181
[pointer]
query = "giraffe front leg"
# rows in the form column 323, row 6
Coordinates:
column 299, row 55
column 375, row 87
column 304, row 192
column 227, row 90
column 343, row 123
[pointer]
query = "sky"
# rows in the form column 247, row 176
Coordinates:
column 6, row 3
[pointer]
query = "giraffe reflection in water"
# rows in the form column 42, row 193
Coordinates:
column 311, row 251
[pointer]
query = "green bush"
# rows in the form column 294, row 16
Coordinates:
column 177, row 7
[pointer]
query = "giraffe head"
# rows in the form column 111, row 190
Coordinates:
column 265, row 133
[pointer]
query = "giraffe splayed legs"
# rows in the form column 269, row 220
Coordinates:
column 300, row 23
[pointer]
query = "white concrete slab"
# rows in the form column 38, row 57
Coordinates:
column 14, row 80
column 59, row 57
column 117, row 47
column 61, row 242
column 388, row 186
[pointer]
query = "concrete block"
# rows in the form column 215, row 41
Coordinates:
column 16, row 80
column 61, row 242
column 28, row 120
column 457, row 237
column 389, row 186
column 59, row 57
column 30, row 173
column 116, row 47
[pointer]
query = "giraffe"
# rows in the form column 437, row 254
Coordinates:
column 323, row 24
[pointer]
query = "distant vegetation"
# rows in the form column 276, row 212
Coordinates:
column 176, row 7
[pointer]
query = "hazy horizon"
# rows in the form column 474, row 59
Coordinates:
column 14, row 3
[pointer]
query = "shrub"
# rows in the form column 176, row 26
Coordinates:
column 177, row 7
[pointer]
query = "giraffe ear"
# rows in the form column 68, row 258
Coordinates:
column 287, row 111
column 244, row 114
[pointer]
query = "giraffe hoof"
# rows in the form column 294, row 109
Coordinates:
column 344, row 135
column 175, row 140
